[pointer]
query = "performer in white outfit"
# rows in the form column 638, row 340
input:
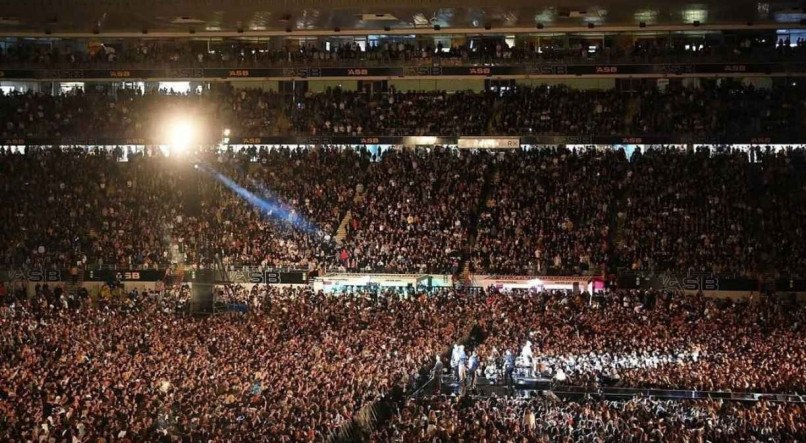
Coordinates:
column 526, row 358
column 455, row 360
column 526, row 352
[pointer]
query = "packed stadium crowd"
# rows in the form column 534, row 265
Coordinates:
column 650, row 340
column 101, row 217
column 709, row 108
column 444, row 418
column 529, row 211
column 298, row 199
column 415, row 212
column 249, row 53
column 413, row 113
column 106, row 180
column 549, row 212
column 130, row 114
column 711, row 202
column 135, row 370
column 300, row 365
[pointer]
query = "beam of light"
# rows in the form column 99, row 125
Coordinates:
column 273, row 209
column 264, row 191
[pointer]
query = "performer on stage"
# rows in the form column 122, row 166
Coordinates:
column 462, row 369
column 472, row 369
column 559, row 376
column 526, row 358
column 436, row 373
column 462, row 355
column 509, row 368
column 491, row 370
column 455, row 360
column 526, row 352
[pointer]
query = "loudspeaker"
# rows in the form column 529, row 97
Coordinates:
column 201, row 298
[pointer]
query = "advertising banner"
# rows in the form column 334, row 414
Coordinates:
column 527, row 69
column 245, row 275
column 489, row 143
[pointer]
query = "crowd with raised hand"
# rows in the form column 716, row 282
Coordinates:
column 652, row 340
column 296, row 370
column 298, row 365
column 549, row 419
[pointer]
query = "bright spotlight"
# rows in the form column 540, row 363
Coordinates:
column 180, row 134
column 227, row 132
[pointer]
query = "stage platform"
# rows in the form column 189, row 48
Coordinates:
column 524, row 387
column 452, row 386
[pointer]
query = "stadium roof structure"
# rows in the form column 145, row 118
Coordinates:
column 352, row 17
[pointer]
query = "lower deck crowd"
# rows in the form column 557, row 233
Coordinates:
column 300, row 364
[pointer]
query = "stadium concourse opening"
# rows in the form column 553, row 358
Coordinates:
column 453, row 224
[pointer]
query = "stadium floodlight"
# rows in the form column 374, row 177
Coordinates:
column 180, row 135
column 227, row 132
